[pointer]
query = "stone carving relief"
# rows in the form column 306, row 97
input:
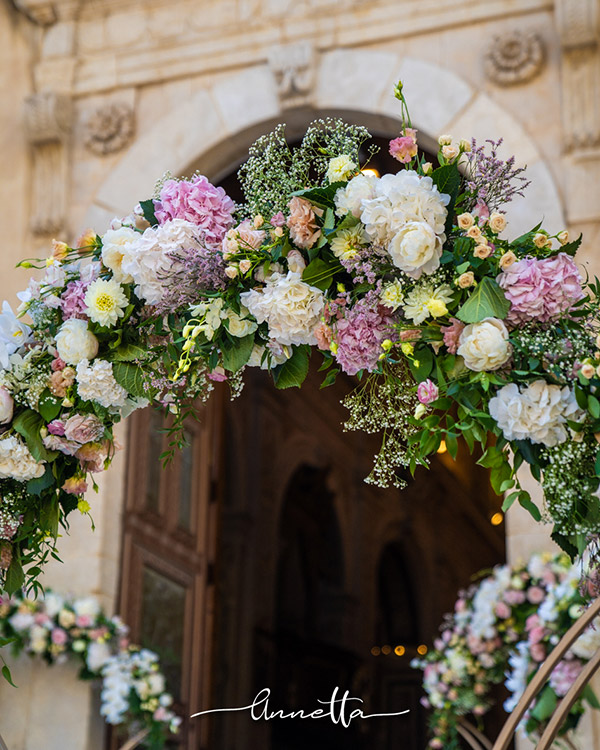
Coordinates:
column 48, row 118
column 515, row 57
column 293, row 66
column 109, row 129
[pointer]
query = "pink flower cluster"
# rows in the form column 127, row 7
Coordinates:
column 73, row 304
column 359, row 335
column 404, row 148
column 564, row 675
column 541, row 289
column 199, row 202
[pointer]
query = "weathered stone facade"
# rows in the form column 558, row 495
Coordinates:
column 100, row 97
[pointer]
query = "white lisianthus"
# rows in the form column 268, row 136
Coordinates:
column 426, row 301
column 484, row 346
column 340, row 168
column 105, row 302
column 538, row 413
column 96, row 382
column 347, row 242
column 16, row 462
column 116, row 243
column 276, row 355
column 416, row 249
column 291, row 308
column 75, row 342
column 348, row 200
column 13, row 334
column 240, row 326
column 392, row 295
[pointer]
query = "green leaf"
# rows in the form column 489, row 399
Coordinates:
column 594, row 406
column 580, row 397
column 293, row 372
column 7, row 675
column 526, row 502
column 148, row 211
column 447, row 179
column 422, row 363
column 319, row 273
column 486, row 301
column 571, row 247
column 321, row 196
column 348, row 222
column 131, row 377
column 590, row 696
column 546, row 704
column 128, row 353
column 15, row 578
column 28, row 425
column 509, row 500
column 329, row 378
column 50, row 516
column 37, row 486
column 236, row 353
column 49, row 406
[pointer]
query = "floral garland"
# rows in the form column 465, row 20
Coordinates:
column 401, row 280
column 501, row 630
column 55, row 628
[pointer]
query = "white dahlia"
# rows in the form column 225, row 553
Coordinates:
column 105, row 302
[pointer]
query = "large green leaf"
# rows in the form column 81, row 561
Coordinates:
column 131, row 377
column 291, row 374
column 128, row 353
column 486, row 301
column 319, row 273
column 37, row 486
column 49, row 406
column 546, row 703
column 28, row 425
column 321, row 196
column 15, row 577
column 447, row 180
column 236, row 353
column 148, row 211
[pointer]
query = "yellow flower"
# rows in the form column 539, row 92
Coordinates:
column 83, row 506
column 105, row 302
column 437, row 308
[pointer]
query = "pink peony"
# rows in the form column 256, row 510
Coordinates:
column 541, row 289
column 359, row 335
column 452, row 334
column 564, row 675
column 404, row 148
column 536, row 595
column 427, row 391
column 83, row 428
column 199, row 202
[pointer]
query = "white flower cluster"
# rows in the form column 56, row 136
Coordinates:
column 291, row 307
column 539, row 412
column 488, row 595
column 516, row 679
column 96, row 382
column 13, row 334
column 16, row 462
column 404, row 212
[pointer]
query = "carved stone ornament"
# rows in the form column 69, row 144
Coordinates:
column 514, row 57
column 109, row 129
column 293, row 67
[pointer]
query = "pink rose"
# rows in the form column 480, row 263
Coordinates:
column 427, row 392
column 83, row 429
column 536, row 595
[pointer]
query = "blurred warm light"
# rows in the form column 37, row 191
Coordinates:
column 422, row 650
column 370, row 171
column 375, row 650
column 386, row 650
column 443, row 447
column 399, row 650
column 497, row 519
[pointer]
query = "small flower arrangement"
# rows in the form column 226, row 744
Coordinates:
column 501, row 629
column 404, row 281
column 57, row 628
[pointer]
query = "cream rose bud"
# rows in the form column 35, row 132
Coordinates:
column 427, row 167
column 588, row 371
column 484, row 346
column 295, row 261
column 474, row 232
column 497, row 222
column 416, row 249
column 540, row 239
column 465, row 221
column 482, row 250
column 231, row 272
column 507, row 259
column 74, row 342
column 563, row 237
column 465, row 145
column 245, row 265
column 465, row 280
column 449, row 152
column 445, row 140
column 7, row 406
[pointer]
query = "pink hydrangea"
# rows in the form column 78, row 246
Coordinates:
column 358, row 337
column 72, row 300
column 199, row 202
column 451, row 334
column 541, row 289
column 564, row 675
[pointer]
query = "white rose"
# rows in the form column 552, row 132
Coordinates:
column 416, row 249
column 290, row 307
column 484, row 345
column 115, row 244
column 7, row 406
column 239, row 326
column 75, row 342
column 295, row 261
column 349, row 199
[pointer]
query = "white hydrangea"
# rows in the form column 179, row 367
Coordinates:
column 291, row 307
column 147, row 260
column 349, row 199
column 96, row 382
column 539, row 412
column 16, row 462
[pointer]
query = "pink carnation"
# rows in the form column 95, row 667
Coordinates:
column 359, row 335
column 564, row 675
column 404, row 148
column 199, row 202
column 541, row 289
column 323, row 335
column 452, row 334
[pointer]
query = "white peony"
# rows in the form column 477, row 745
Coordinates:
column 148, row 261
column 538, row 413
column 484, row 345
column 13, row 334
column 16, row 462
column 416, row 249
column 97, row 383
column 349, row 198
column 87, row 607
column 115, row 244
column 74, row 342
column 290, row 307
